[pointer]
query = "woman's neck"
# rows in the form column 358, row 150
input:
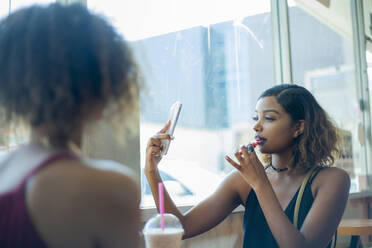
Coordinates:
column 280, row 162
column 42, row 136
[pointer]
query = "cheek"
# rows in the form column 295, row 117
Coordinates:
column 279, row 137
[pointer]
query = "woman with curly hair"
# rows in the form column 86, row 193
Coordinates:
column 63, row 69
column 296, row 199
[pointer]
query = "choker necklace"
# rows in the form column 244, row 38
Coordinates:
column 278, row 169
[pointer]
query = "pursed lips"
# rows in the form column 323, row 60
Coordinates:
column 259, row 140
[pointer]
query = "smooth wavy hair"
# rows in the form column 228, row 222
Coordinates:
column 59, row 63
column 319, row 144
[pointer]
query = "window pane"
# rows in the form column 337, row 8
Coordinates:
column 323, row 61
column 16, row 4
column 4, row 8
column 143, row 19
column 217, row 68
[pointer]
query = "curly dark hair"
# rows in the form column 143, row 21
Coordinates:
column 58, row 63
column 319, row 142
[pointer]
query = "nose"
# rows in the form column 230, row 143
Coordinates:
column 257, row 126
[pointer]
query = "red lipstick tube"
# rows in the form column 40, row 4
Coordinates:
column 251, row 146
column 256, row 143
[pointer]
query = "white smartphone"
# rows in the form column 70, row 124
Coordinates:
column 173, row 117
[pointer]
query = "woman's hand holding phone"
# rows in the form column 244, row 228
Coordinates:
column 158, row 144
column 154, row 149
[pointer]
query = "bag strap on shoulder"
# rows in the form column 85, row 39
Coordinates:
column 299, row 196
column 298, row 203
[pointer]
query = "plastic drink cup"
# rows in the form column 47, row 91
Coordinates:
column 169, row 237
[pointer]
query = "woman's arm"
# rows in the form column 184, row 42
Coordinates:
column 207, row 213
column 322, row 220
column 324, row 216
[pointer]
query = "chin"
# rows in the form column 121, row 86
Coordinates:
column 264, row 151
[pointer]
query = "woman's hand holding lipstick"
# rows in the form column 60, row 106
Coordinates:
column 250, row 166
column 252, row 146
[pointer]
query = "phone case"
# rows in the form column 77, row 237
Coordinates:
column 173, row 117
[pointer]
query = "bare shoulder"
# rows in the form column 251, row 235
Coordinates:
column 70, row 178
column 236, row 183
column 332, row 179
column 109, row 185
column 234, row 180
column 109, row 165
column 333, row 173
column 70, row 197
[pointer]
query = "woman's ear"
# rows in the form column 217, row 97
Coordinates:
column 299, row 128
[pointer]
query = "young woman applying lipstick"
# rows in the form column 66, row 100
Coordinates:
column 300, row 142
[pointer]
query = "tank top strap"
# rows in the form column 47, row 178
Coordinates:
column 315, row 172
column 50, row 159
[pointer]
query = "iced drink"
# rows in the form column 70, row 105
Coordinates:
column 167, row 238
column 170, row 237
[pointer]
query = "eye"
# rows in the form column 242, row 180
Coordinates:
column 269, row 118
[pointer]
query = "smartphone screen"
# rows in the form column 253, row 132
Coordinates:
column 173, row 117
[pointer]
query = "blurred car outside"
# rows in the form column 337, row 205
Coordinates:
column 186, row 182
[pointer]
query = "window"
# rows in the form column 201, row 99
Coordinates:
column 216, row 64
column 323, row 62
column 4, row 9
column 216, row 58
column 16, row 4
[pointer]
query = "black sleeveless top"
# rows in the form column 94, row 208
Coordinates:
column 256, row 230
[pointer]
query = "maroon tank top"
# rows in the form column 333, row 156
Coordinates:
column 16, row 227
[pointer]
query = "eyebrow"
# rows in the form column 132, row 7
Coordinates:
column 270, row 110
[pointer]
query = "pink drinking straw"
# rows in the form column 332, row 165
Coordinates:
column 161, row 204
